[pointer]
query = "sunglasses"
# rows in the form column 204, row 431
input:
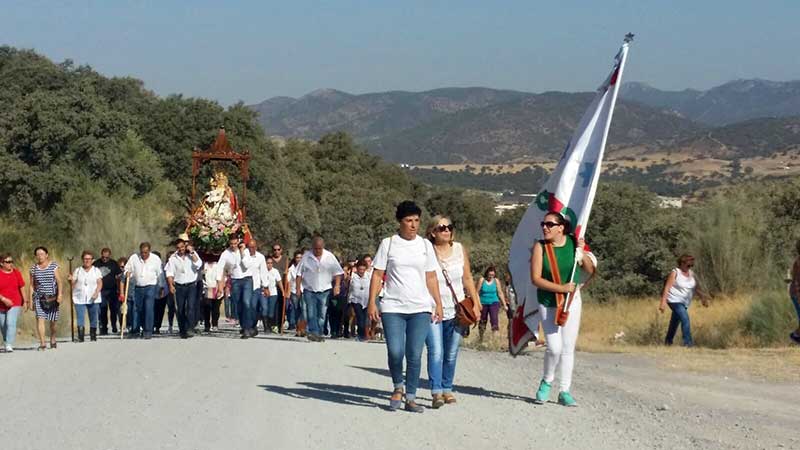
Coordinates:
column 549, row 224
column 9, row 261
column 277, row 249
column 442, row 228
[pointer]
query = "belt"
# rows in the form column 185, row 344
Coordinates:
column 186, row 284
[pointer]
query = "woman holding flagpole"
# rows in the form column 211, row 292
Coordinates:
column 553, row 272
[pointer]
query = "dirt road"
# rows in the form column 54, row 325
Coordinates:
column 272, row 392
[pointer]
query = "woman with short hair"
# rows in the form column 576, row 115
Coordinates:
column 87, row 283
column 410, row 303
column 46, row 289
column 11, row 300
column 454, row 276
column 552, row 264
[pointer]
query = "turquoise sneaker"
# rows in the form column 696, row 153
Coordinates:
column 543, row 394
column 566, row 400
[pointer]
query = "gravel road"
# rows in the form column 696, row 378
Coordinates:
column 217, row 392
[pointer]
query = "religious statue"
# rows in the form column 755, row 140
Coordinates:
column 220, row 202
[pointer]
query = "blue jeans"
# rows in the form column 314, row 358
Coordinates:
column 316, row 306
column 680, row 315
column 242, row 297
column 260, row 305
column 796, row 303
column 442, row 342
column 405, row 337
column 297, row 311
column 144, row 301
column 8, row 325
column 272, row 302
column 361, row 320
column 94, row 314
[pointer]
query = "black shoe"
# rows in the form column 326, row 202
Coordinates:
column 81, row 334
column 253, row 332
column 158, row 331
column 104, row 331
column 93, row 334
column 114, row 331
column 148, row 336
column 245, row 336
column 207, row 330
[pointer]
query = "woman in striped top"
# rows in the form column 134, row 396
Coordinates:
column 45, row 285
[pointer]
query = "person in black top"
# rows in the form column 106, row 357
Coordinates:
column 108, row 295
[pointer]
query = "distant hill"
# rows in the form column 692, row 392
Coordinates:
column 757, row 137
column 481, row 125
column 532, row 127
column 369, row 116
column 732, row 102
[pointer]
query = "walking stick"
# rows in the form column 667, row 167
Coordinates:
column 284, row 283
column 71, row 305
column 124, row 307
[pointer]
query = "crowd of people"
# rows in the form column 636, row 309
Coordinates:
column 418, row 293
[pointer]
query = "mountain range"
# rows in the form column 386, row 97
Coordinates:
column 483, row 125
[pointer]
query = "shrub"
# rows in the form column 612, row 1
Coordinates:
column 770, row 318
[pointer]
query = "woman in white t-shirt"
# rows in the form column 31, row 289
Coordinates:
column 444, row 338
column 87, row 282
column 678, row 292
column 410, row 303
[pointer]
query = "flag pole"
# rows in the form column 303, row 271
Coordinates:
column 622, row 58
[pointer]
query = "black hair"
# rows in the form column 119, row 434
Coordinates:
column 44, row 249
column 562, row 220
column 407, row 208
column 144, row 245
column 489, row 269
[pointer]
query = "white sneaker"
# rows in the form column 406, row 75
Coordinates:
column 214, row 329
column 9, row 349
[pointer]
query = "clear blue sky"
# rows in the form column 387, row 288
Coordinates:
column 252, row 50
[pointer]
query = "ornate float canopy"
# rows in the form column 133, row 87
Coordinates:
column 218, row 215
column 221, row 150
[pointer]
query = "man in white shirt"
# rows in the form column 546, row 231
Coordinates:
column 256, row 264
column 233, row 261
column 315, row 274
column 358, row 297
column 144, row 268
column 182, row 269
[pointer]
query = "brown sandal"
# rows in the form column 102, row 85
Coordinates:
column 53, row 344
column 41, row 348
column 449, row 399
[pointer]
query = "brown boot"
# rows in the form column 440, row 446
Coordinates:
column 438, row 401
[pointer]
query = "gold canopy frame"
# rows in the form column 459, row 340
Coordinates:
column 221, row 150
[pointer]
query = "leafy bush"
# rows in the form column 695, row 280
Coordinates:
column 771, row 317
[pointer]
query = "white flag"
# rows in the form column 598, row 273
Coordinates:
column 570, row 190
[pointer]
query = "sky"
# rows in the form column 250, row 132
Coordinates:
column 253, row 50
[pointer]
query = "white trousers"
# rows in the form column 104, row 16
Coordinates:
column 560, row 343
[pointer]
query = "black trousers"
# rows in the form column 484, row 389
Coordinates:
column 165, row 303
column 184, row 301
column 211, row 313
column 109, row 304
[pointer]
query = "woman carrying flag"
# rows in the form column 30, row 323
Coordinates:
column 553, row 272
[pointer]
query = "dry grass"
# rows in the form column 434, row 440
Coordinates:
column 635, row 326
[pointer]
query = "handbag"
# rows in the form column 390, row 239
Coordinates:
column 465, row 309
column 49, row 303
column 562, row 312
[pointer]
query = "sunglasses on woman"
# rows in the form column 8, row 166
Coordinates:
column 8, row 261
column 549, row 224
column 442, row 228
